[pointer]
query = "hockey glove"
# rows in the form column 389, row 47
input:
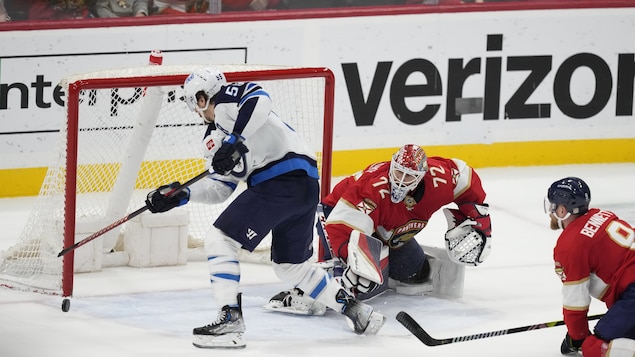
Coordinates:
column 167, row 197
column 468, row 239
column 479, row 213
column 357, row 284
column 570, row 347
column 229, row 154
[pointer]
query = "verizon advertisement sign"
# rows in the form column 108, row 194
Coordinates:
column 434, row 79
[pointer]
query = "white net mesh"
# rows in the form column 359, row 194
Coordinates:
column 131, row 140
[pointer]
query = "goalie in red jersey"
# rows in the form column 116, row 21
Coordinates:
column 594, row 257
column 377, row 212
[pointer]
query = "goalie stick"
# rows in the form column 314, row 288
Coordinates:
column 125, row 218
column 408, row 322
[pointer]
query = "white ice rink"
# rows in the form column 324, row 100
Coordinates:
column 151, row 312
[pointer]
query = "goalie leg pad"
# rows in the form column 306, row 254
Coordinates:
column 447, row 276
column 411, row 289
column 418, row 284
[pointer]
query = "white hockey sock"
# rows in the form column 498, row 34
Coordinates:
column 224, row 268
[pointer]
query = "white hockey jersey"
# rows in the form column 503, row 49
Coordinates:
column 275, row 148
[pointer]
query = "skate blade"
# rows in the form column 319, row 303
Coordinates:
column 229, row 340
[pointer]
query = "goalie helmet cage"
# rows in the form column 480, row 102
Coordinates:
column 129, row 131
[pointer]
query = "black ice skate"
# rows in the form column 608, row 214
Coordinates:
column 361, row 317
column 226, row 332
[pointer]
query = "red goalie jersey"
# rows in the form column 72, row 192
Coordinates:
column 362, row 202
column 594, row 257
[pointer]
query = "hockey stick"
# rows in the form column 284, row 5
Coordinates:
column 408, row 322
column 126, row 218
column 321, row 232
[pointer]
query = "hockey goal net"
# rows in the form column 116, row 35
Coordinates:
column 127, row 132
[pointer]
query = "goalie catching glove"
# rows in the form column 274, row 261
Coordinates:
column 167, row 197
column 468, row 239
column 229, row 154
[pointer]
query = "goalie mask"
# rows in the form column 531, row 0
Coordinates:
column 407, row 168
column 205, row 82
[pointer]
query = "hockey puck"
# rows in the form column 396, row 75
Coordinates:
column 66, row 305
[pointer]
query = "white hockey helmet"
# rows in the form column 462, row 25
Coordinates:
column 206, row 81
column 407, row 168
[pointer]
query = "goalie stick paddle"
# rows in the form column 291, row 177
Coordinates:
column 125, row 218
column 408, row 322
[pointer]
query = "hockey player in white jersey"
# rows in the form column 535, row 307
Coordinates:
column 247, row 141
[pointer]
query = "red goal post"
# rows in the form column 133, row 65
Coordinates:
column 114, row 150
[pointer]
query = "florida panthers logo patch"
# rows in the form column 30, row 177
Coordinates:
column 367, row 206
column 560, row 272
column 402, row 234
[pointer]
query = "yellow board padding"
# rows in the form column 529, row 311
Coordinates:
column 534, row 153
column 21, row 182
column 27, row 181
column 152, row 174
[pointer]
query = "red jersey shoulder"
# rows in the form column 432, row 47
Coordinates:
column 443, row 168
column 349, row 181
column 440, row 180
column 371, row 187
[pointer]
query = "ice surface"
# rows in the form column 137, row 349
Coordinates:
column 127, row 311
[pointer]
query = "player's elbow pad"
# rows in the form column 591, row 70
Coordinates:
column 210, row 191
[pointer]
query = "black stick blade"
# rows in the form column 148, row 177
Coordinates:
column 408, row 322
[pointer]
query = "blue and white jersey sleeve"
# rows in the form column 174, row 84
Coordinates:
column 212, row 189
column 275, row 148
column 242, row 108
column 215, row 188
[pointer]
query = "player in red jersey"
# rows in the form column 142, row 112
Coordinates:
column 594, row 257
column 393, row 201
